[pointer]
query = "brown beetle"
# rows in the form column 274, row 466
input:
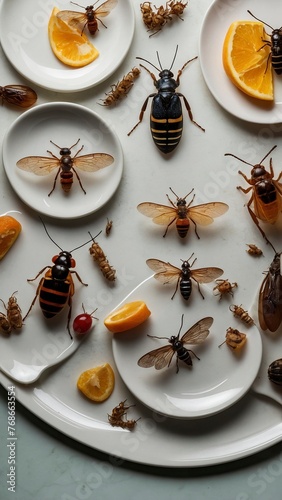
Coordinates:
column 275, row 372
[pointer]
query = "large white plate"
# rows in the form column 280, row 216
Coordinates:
column 214, row 28
column 212, row 384
column 64, row 124
column 24, row 38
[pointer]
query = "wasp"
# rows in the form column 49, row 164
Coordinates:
column 43, row 165
column 162, row 357
column 98, row 256
column 109, row 226
column 122, row 88
column 168, row 274
column 253, row 250
column 18, row 95
column 240, row 313
column 275, row 371
column 275, row 43
column 166, row 119
column 234, row 339
column 56, row 288
column 270, row 297
column 266, row 193
column 224, row 287
column 182, row 213
column 89, row 18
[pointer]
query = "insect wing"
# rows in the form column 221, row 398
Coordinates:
column 165, row 272
column 204, row 214
column 270, row 299
column 93, row 162
column 206, row 274
column 160, row 214
column 198, row 332
column 159, row 358
column 39, row 165
column 105, row 8
column 74, row 19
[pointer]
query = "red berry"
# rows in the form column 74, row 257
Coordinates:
column 82, row 323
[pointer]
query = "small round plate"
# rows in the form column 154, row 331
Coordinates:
column 64, row 124
column 214, row 28
column 24, row 38
column 215, row 382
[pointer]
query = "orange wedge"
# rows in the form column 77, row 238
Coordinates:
column 247, row 60
column 97, row 383
column 10, row 229
column 127, row 316
column 69, row 46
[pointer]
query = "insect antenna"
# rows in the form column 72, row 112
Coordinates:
column 267, row 154
column 59, row 147
column 240, row 159
column 93, row 238
column 89, row 241
column 260, row 20
column 174, row 57
column 142, row 59
column 177, row 197
column 49, row 235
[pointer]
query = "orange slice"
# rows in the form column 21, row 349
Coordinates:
column 97, row 383
column 10, row 229
column 247, row 60
column 127, row 316
column 69, row 46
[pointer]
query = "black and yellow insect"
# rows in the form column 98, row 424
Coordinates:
column 166, row 119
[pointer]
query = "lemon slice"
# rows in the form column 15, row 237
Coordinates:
column 127, row 316
column 69, row 46
column 10, row 229
column 247, row 59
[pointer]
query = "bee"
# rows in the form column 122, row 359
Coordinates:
column 275, row 43
column 116, row 418
column 240, row 313
column 270, row 297
column 89, row 18
column 122, row 88
column 98, row 255
column 254, row 250
column 224, row 287
column 162, row 357
column 18, row 95
column 182, row 213
column 275, row 371
column 109, row 226
column 266, row 193
column 56, row 287
column 234, row 339
column 5, row 325
column 42, row 165
column 168, row 274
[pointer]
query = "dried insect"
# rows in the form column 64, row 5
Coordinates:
column 155, row 18
column 98, row 255
column 168, row 274
column 161, row 357
column 240, row 313
column 56, row 287
column 254, row 250
column 270, row 297
column 166, row 120
column 5, row 325
column 116, row 418
column 14, row 313
column 121, row 89
column 19, row 95
column 89, row 18
column 109, row 226
column 224, row 287
column 42, row 165
column 275, row 371
column 266, row 193
column 275, row 43
column 234, row 339
column 182, row 213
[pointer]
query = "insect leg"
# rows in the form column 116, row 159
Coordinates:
column 168, row 227
column 195, row 227
column 79, row 278
column 78, row 178
column 40, row 272
column 101, row 22
column 69, row 314
column 176, row 287
column 187, row 105
column 36, row 295
column 143, row 109
column 55, row 180
column 183, row 67
column 199, row 289
column 255, row 219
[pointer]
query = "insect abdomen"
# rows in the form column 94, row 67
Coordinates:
column 66, row 180
column 276, row 51
column 182, row 226
column 53, row 296
column 166, row 123
column 183, row 355
column 185, row 287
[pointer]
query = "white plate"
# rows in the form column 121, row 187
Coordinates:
column 212, row 384
column 214, row 28
column 64, row 124
column 24, row 38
